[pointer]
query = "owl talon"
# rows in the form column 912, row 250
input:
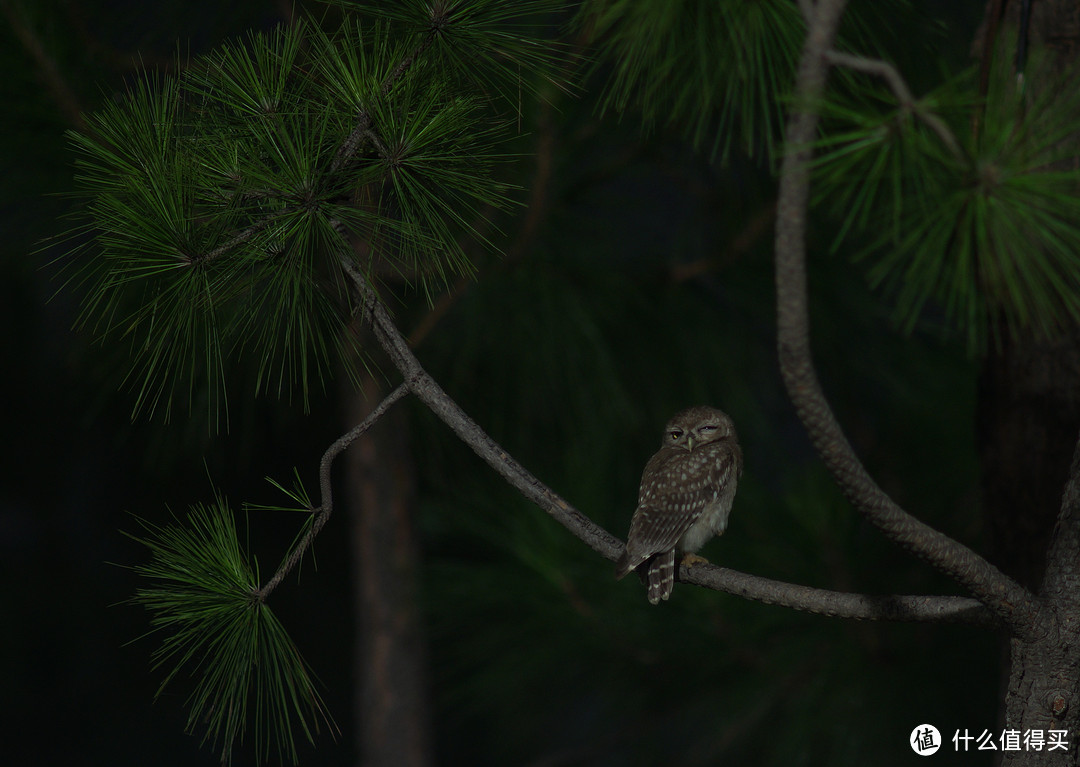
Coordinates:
column 690, row 560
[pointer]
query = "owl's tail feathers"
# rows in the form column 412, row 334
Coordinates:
column 658, row 574
column 661, row 577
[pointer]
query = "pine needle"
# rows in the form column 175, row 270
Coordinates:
column 249, row 678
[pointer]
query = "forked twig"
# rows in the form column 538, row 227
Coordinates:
column 326, row 494
column 892, row 78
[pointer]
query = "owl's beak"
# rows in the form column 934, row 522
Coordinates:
column 689, row 444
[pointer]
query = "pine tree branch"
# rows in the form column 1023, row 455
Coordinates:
column 908, row 103
column 428, row 391
column 326, row 494
column 362, row 128
column 1011, row 603
column 841, row 604
column 361, row 131
column 821, row 601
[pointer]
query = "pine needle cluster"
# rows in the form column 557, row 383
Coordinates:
column 984, row 228
column 248, row 675
column 717, row 70
column 221, row 201
column 959, row 203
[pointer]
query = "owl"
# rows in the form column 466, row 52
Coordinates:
column 685, row 496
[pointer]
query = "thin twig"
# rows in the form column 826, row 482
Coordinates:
column 878, row 68
column 822, row 601
column 326, row 494
column 1014, row 605
column 376, row 142
column 892, row 78
column 242, row 237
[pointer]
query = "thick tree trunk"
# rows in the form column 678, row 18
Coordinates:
column 1029, row 419
column 392, row 719
column 1029, row 416
column 1044, row 683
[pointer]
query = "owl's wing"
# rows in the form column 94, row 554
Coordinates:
column 676, row 486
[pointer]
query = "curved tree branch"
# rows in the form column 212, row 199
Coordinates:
column 326, row 495
column 428, row 391
column 805, row 598
column 1010, row 602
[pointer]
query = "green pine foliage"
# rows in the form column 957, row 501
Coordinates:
column 222, row 200
column 985, row 229
column 222, row 203
column 717, row 70
column 485, row 46
column 249, row 678
column 949, row 223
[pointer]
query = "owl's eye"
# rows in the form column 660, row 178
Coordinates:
column 674, row 434
column 708, row 427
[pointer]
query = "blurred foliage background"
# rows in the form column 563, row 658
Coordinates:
column 636, row 282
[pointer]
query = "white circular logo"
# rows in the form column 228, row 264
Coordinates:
column 925, row 740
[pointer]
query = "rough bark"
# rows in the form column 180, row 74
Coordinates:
column 1029, row 418
column 1044, row 681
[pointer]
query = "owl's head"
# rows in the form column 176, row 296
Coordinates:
column 697, row 426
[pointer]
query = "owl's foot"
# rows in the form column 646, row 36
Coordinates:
column 689, row 560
